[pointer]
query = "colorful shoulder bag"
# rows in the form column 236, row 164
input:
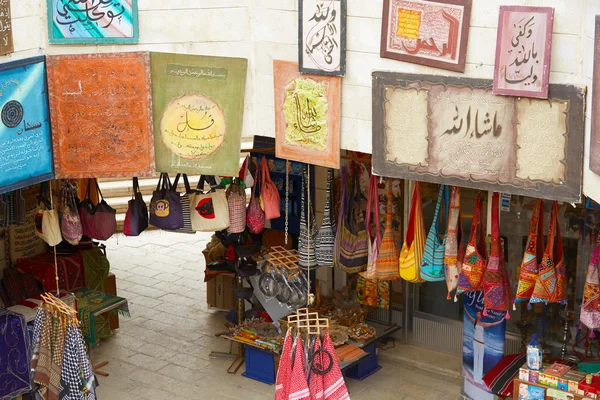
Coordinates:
column 388, row 257
column 375, row 242
column 326, row 236
column 532, row 257
column 269, row 193
column 255, row 216
column 452, row 256
column 475, row 260
column 307, row 239
column 165, row 206
column 432, row 266
column 210, row 209
column 590, row 307
column 551, row 283
column 411, row 255
column 496, row 286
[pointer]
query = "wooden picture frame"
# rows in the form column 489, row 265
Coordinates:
column 402, row 33
column 6, row 36
column 75, row 24
column 322, row 37
column 595, row 113
column 520, row 30
column 312, row 137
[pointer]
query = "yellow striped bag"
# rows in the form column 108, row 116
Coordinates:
column 411, row 255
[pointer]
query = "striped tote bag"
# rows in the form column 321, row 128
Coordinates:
column 411, row 254
column 307, row 239
column 388, row 257
column 326, row 237
column 432, row 266
column 185, row 205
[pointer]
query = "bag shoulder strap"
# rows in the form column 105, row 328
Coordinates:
column 477, row 224
column 410, row 231
column 436, row 215
column 556, row 250
column 496, row 247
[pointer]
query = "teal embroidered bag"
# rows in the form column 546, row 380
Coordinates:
column 432, row 266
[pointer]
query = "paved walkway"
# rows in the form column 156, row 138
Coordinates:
column 162, row 351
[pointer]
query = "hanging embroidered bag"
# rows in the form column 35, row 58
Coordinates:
column 236, row 200
column 551, row 283
column 373, row 242
column 496, row 287
column 255, row 216
column 532, row 257
column 210, row 210
column 70, row 223
column 388, row 257
column 432, row 266
column 165, row 206
column 453, row 238
column 269, row 193
column 475, row 260
column 590, row 307
column 136, row 218
column 307, row 255
column 326, row 237
column 351, row 241
column 412, row 249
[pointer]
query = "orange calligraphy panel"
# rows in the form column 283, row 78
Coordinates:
column 100, row 106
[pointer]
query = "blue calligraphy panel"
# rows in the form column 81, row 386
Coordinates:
column 25, row 138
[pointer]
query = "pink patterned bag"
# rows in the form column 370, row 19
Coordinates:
column 255, row 216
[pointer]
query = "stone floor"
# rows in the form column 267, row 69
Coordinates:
column 162, row 352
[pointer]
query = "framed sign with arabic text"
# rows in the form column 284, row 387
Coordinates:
column 198, row 104
column 432, row 33
column 6, row 36
column 101, row 115
column 322, row 37
column 523, row 48
column 307, row 116
column 455, row 131
column 92, row 21
column 25, row 139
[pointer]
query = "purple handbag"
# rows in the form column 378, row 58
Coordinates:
column 165, row 206
column 98, row 221
column 136, row 219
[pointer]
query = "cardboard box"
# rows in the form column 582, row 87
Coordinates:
column 534, row 376
column 219, row 292
column 524, row 373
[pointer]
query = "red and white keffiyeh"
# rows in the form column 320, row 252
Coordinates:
column 333, row 382
column 285, row 369
column 316, row 380
column 297, row 382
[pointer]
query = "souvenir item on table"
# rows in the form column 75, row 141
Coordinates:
column 210, row 210
column 432, row 266
column 590, row 307
column 475, row 260
column 551, row 283
column 496, row 286
column 15, row 355
column 70, row 223
column 307, row 239
column 453, row 253
column 326, row 236
column 373, row 245
column 136, row 218
column 185, row 205
column 411, row 254
column 351, row 240
column 236, row 200
column 255, row 216
column 47, row 226
column 165, row 206
column 269, row 193
column 388, row 257
column 534, row 251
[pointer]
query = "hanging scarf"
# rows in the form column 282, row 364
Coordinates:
column 285, row 369
column 334, row 386
column 532, row 257
column 298, row 384
column 316, row 380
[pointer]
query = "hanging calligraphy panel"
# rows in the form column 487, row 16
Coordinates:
column 6, row 36
column 307, row 116
column 322, row 37
column 432, row 33
column 25, row 140
column 198, row 104
column 101, row 115
column 523, row 48
column 455, row 131
column 92, row 21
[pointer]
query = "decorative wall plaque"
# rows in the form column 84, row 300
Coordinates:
column 322, row 37
column 6, row 37
column 198, row 104
column 523, row 50
column 432, row 33
column 92, row 21
column 25, row 140
column 307, row 116
column 455, row 131
column 101, row 115
column 595, row 114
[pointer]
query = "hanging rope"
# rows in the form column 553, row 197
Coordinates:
column 55, row 259
column 287, row 201
column 309, row 235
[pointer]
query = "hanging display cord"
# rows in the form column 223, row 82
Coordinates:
column 287, row 201
column 308, row 217
column 54, row 247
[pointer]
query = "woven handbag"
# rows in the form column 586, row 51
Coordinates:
column 475, row 260
column 307, row 239
column 496, row 286
column 325, row 241
column 186, row 205
column 388, row 257
column 532, row 257
column 411, row 254
column 373, row 241
column 255, row 216
column 432, row 266
column 269, row 193
column 236, row 199
column 551, row 283
column 590, row 307
column 453, row 238
column 351, row 240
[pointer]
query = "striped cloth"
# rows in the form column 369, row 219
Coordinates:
column 432, row 266
column 307, row 257
column 388, row 256
column 297, row 382
column 411, row 254
column 334, row 386
column 316, row 380
column 285, row 369
column 326, row 237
